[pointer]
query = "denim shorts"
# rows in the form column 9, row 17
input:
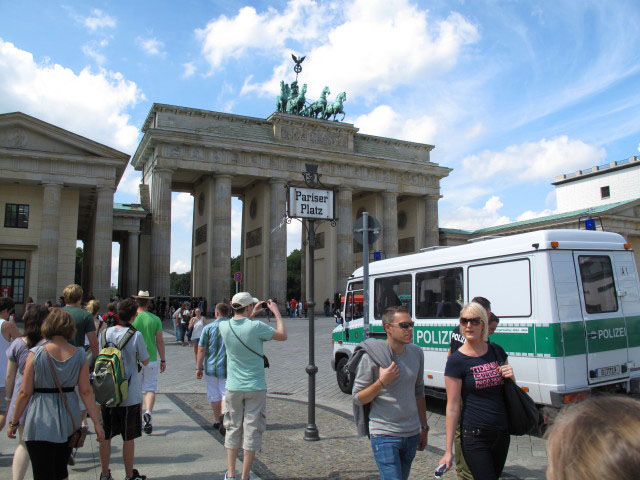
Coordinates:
column 394, row 455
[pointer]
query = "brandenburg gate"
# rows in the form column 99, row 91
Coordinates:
column 215, row 156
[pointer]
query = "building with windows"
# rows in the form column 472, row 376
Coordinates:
column 56, row 188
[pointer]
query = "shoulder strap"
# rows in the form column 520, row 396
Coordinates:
column 55, row 379
column 127, row 336
column 103, row 337
column 245, row 346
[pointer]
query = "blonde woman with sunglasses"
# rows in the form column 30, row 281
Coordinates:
column 475, row 382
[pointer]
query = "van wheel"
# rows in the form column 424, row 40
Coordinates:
column 342, row 376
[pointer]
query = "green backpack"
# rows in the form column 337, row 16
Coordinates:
column 110, row 383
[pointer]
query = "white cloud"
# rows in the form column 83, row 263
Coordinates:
column 182, row 210
column 97, row 20
column 533, row 161
column 115, row 258
column 92, row 52
column 129, row 184
column 639, row 147
column 90, row 104
column 294, row 235
column 151, row 46
column 468, row 218
column 189, row 69
column 226, row 37
column 379, row 45
column 530, row 214
column 180, row 266
column 385, row 121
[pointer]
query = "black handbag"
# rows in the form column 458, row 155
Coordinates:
column 264, row 357
column 524, row 416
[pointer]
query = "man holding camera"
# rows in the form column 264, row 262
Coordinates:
column 246, row 395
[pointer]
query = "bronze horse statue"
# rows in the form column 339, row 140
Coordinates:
column 296, row 103
column 336, row 107
column 318, row 107
column 283, row 98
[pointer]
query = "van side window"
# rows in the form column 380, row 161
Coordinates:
column 391, row 292
column 439, row 293
column 598, row 285
column 355, row 302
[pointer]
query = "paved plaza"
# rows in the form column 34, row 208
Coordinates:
column 183, row 444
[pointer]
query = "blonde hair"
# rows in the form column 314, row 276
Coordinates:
column 72, row 293
column 58, row 322
column 93, row 307
column 597, row 438
column 478, row 310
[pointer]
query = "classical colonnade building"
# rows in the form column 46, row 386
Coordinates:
column 216, row 156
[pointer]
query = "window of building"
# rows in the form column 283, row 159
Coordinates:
column 16, row 216
column 13, row 273
column 439, row 293
column 392, row 292
column 598, row 285
column 604, row 192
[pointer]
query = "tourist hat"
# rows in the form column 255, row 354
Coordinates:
column 143, row 294
column 243, row 299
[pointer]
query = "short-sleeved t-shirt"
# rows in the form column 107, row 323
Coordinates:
column 457, row 339
column 482, row 389
column 84, row 324
column 215, row 357
column 133, row 351
column 148, row 325
column 245, row 369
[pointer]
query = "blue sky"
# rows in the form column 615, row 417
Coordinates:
column 511, row 93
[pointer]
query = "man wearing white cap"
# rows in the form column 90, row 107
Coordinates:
column 246, row 397
column 150, row 326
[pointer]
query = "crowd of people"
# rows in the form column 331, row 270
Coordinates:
column 48, row 393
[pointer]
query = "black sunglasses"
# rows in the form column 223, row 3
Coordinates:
column 404, row 325
column 473, row 321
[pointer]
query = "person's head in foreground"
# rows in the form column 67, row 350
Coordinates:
column 598, row 438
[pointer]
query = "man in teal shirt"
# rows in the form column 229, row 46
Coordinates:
column 150, row 326
column 246, row 397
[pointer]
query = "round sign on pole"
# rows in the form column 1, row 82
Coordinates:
column 237, row 277
column 373, row 227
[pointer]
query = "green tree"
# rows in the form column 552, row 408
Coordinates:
column 78, row 274
column 294, row 273
column 180, row 283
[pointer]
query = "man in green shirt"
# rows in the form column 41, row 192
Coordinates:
column 83, row 319
column 150, row 326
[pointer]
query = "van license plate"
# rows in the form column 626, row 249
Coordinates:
column 608, row 371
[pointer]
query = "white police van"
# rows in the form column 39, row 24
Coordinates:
column 568, row 302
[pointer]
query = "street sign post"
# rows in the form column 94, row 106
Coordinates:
column 367, row 231
column 237, row 277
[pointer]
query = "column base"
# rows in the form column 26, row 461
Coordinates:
column 311, row 433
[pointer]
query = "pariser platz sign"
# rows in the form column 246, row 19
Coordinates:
column 312, row 203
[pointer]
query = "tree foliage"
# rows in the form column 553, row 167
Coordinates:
column 294, row 284
column 78, row 273
column 180, row 283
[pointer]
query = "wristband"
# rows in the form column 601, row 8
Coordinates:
column 14, row 425
column 162, row 361
column 199, row 369
column 425, row 428
column 383, row 385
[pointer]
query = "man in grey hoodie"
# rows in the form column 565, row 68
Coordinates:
column 390, row 381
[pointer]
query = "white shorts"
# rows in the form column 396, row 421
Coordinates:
column 216, row 388
column 149, row 374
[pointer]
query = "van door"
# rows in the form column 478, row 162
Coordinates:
column 602, row 313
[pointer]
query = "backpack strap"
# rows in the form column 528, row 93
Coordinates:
column 103, row 337
column 127, row 336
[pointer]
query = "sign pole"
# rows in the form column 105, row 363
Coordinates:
column 311, row 432
column 365, row 273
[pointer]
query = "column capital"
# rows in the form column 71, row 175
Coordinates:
column 277, row 181
column 52, row 183
column 433, row 196
column 217, row 176
column 105, row 189
column 345, row 188
column 388, row 194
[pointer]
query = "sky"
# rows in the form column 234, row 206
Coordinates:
column 511, row 93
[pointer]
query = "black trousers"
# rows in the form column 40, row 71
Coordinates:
column 48, row 459
column 485, row 451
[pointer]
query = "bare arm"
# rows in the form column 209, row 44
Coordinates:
column 160, row 345
column 10, row 331
column 93, row 343
column 280, row 333
column 200, row 361
column 386, row 376
column 454, row 390
column 10, row 381
column 86, row 393
column 421, row 403
column 24, row 396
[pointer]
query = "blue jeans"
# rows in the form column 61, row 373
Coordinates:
column 394, row 455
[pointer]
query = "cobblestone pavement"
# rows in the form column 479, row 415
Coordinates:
column 340, row 454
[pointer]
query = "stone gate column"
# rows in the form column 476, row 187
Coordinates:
column 390, row 224
column 430, row 235
column 160, row 232
column 132, row 263
column 344, row 237
column 277, row 242
column 49, row 241
column 122, row 261
column 103, row 234
column 220, row 258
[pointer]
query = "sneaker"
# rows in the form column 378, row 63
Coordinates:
column 148, row 428
column 223, row 430
column 228, row 478
column 136, row 476
column 108, row 477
